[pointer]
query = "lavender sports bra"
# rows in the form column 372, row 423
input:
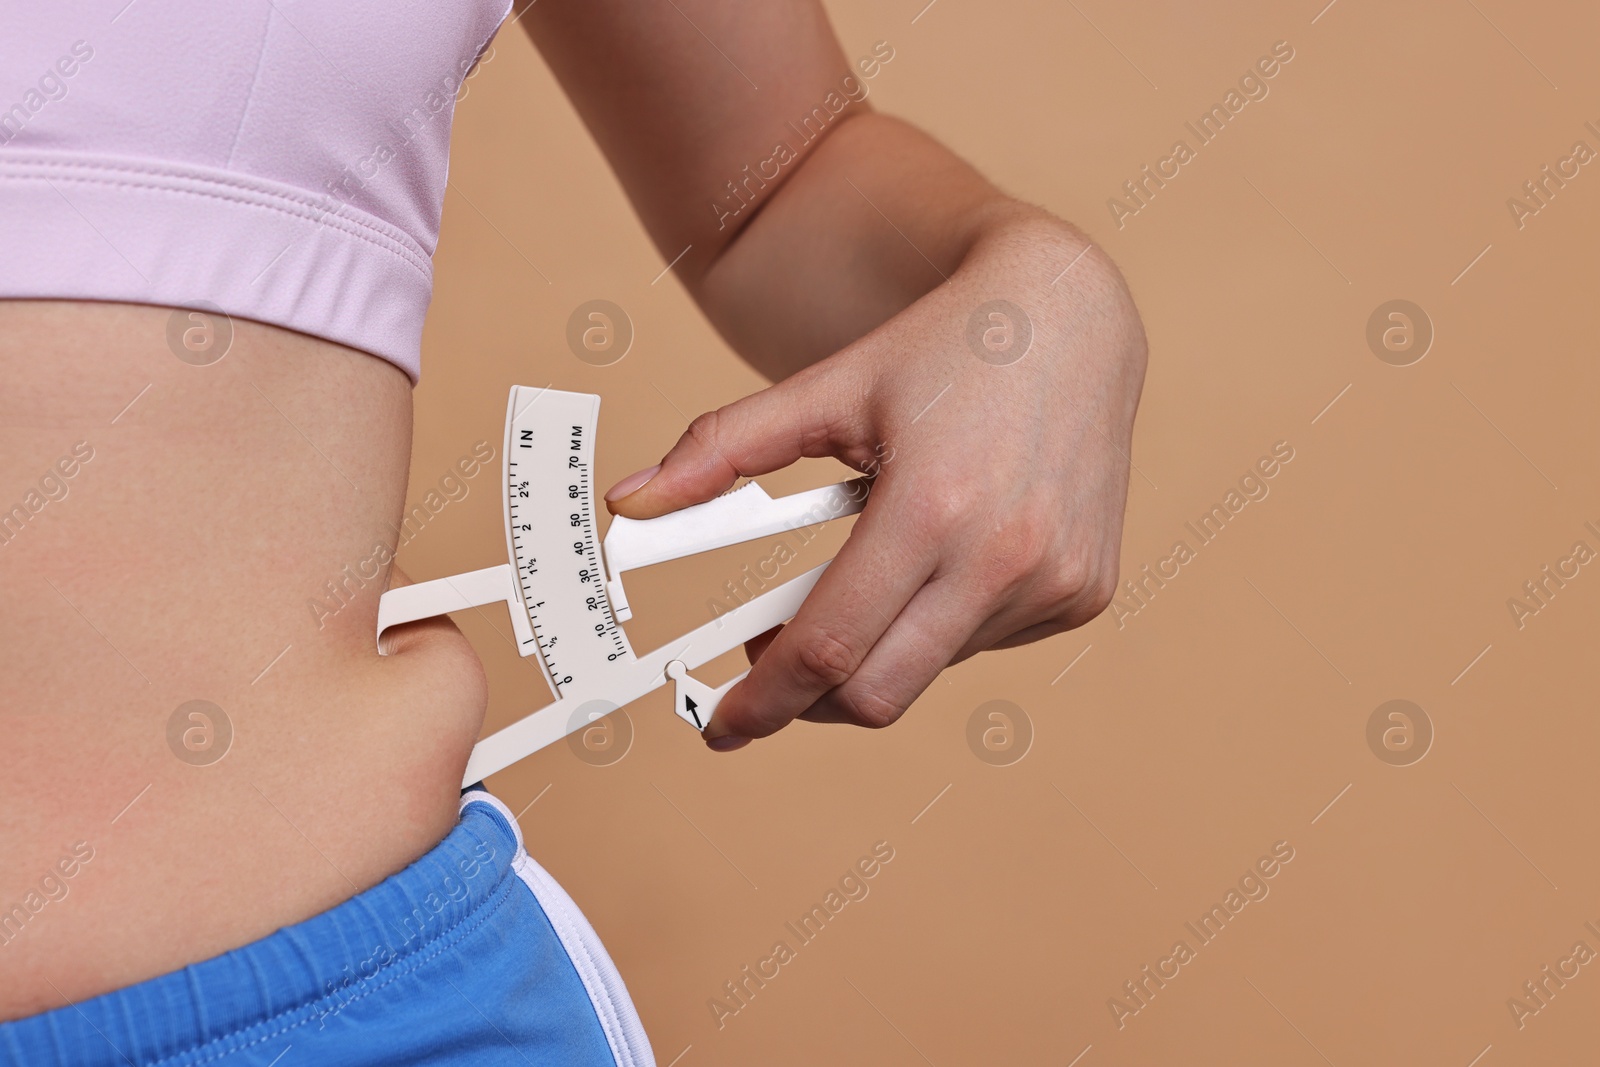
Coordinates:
column 284, row 160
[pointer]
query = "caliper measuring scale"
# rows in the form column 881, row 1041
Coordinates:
column 563, row 583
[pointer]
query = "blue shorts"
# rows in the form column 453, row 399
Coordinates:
column 470, row 955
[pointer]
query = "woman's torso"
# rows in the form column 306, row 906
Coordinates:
column 166, row 527
column 167, row 522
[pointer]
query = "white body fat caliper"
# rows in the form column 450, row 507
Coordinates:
column 563, row 584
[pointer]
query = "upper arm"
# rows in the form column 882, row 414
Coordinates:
column 702, row 107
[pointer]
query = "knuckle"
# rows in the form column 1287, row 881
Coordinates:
column 868, row 707
column 710, row 431
column 1094, row 596
column 1068, row 580
column 704, row 427
column 938, row 508
column 1102, row 590
column 1074, row 582
column 827, row 434
column 720, row 433
column 1084, row 587
column 1019, row 553
column 825, row 661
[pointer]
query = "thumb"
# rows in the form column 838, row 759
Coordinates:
column 811, row 414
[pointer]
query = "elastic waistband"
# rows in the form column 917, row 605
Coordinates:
column 301, row 973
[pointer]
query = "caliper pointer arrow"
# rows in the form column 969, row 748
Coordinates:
column 693, row 696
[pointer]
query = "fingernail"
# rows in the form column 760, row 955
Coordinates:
column 631, row 484
column 726, row 743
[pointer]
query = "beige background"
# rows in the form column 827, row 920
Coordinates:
column 1232, row 710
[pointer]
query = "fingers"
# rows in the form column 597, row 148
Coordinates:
column 854, row 603
column 1023, row 625
column 814, row 413
column 863, row 659
column 941, row 626
column 924, row 640
column 938, row 629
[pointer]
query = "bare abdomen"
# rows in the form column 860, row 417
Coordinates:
column 194, row 754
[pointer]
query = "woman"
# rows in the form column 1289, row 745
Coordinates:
column 217, row 231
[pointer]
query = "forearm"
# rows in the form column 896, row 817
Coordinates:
column 878, row 215
column 799, row 218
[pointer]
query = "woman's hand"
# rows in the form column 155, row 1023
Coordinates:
column 997, row 413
